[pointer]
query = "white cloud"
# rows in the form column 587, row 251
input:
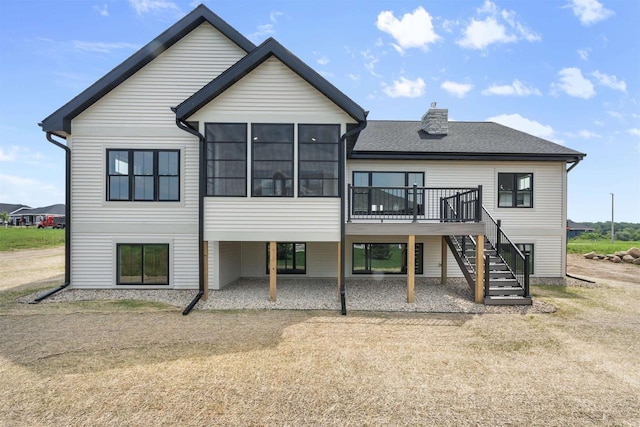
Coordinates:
column 370, row 62
column 516, row 121
column 102, row 11
column 501, row 26
column 273, row 16
column 262, row 31
column 412, row 30
column 354, row 77
column 616, row 114
column 584, row 53
column 590, row 11
column 323, row 60
column 598, row 122
column 405, row 88
column 634, row 131
column 28, row 191
column 611, row 82
column 9, row 155
column 101, row 47
column 517, row 88
column 584, row 134
column 456, row 89
column 573, row 83
column 144, row 6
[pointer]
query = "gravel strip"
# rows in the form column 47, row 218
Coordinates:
column 316, row 294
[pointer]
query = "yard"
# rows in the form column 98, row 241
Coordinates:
column 128, row 362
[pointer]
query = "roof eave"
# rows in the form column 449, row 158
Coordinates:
column 397, row 155
column 60, row 120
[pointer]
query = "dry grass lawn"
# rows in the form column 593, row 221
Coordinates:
column 131, row 363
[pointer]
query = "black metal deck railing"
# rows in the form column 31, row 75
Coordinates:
column 415, row 203
column 517, row 262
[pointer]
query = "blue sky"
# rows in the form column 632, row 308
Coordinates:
column 566, row 70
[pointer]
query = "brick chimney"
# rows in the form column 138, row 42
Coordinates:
column 436, row 121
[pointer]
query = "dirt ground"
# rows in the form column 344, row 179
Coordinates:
column 31, row 266
column 123, row 363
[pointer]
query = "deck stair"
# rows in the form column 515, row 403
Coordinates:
column 502, row 287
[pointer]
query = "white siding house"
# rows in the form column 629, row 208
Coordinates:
column 201, row 156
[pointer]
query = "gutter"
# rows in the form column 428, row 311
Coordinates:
column 342, row 184
column 185, row 127
column 67, row 227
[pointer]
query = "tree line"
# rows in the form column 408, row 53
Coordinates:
column 624, row 231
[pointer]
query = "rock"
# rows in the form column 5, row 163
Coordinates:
column 634, row 252
column 609, row 256
column 621, row 253
column 636, row 261
column 600, row 256
column 616, row 259
column 591, row 255
column 628, row 258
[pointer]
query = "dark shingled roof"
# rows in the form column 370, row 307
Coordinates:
column 465, row 140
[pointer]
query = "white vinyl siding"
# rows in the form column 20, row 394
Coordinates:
column 543, row 224
column 145, row 98
column 264, row 219
column 137, row 115
column 94, row 259
column 272, row 93
column 321, row 260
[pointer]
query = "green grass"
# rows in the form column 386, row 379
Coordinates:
column 30, row 238
column 599, row 246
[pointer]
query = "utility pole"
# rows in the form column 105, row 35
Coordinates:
column 612, row 226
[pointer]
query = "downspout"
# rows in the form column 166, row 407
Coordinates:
column 342, row 183
column 185, row 127
column 67, row 227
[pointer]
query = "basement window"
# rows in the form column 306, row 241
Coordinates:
column 143, row 264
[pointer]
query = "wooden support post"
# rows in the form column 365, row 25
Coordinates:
column 479, row 294
column 205, row 256
column 411, row 268
column 273, row 270
column 339, row 268
column 443, row 261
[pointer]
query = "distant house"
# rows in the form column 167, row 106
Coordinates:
column 25, row 215
column 575, row 229
column 203, row 159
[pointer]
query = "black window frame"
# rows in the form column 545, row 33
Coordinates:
column 254, row 142
column 514, row 191
column 293, row 269
column 119, row 267
column 210, row 180
column 301, row 163
column 408, row 207
column 131, row 175
column 419, row 261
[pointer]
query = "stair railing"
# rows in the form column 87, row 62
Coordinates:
column 515, row 260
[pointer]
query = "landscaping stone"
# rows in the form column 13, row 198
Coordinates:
column 634, row 252
column 591, row 255
column 636, row 261
column 616, row 259
column 628, row 258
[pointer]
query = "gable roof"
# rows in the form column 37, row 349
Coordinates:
column 46, row 210
column 269, row 48
column 465, row 141
column 60, row 121
column 11, row 208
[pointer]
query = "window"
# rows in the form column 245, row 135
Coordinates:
column 292, row 258
column 143, row 264
column 515, row 190
column 385, row 258
column 226, row 159
column 387, row 193
column 143, row 175
column 272, row 160
column 318, row 152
